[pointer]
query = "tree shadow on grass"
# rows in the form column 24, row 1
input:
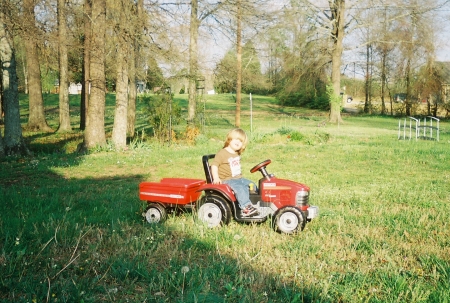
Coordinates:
column 51, row 143
column 83, row 240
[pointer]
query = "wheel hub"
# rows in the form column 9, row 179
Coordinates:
column 211, row 214
column 153, row 215
column 288, row 221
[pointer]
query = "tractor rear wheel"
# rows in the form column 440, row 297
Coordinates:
column 214, row 211
column 155, row 213
column 289, row 220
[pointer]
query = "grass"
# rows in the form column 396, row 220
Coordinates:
column 71, row 230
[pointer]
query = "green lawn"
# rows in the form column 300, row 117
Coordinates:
column 71, row 228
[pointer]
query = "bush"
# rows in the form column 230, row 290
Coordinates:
column 162, row 113
column 296, row 136
column 304, row 100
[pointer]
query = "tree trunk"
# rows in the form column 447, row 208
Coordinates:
column 337, row 10
column 237, row 119
column 2, row 149
column 13, row 142
column 408, row 87
column 367, row 105
column 85, row 90
column 36, row 118
column 435, row 108
column 383, row 81
column 25, row 74
column 134, row 64
column 119, row 133
column 193, row 61
column 94, row 134
column 64, row 109
column 132, row 93
column 2, row 112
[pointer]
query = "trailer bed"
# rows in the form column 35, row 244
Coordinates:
column 179, row 191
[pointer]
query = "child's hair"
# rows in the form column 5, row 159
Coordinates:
column 237, row 133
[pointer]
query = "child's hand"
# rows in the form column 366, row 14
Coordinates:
column 217, row 181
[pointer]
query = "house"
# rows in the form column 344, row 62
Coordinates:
column 75, row 88
column 443, row 70
column 140, row 86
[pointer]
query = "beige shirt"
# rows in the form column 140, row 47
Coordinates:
column 229, row 165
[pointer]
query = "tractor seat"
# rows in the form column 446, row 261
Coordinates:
column 207, row 167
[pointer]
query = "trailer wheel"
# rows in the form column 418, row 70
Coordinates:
column 155, row 213
column 214, row 211
column 289, row 220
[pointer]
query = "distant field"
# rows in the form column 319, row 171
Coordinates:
column 71, row 229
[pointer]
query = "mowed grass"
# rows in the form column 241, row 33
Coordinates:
column 71, row 228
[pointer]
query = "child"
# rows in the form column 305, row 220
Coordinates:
column 226, row 168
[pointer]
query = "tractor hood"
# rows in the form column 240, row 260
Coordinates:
column 284, row 192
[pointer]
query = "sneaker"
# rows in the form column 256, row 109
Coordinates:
column 249, row 211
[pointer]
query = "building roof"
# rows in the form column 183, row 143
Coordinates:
column 443, row 69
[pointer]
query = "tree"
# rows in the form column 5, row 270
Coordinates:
column 384, row 48
column 193, row 60
column 2, row 149
column 13, row 142
column 135, row 63
column 237, row 122
column 153, row 74
column 132, row 88
column 252, row 78
column 299, row 58
column 119, row 133
column 408, row 25
column 196, row 18
column 245, row 14
column 64, row 109
column 85, row 90
column 94, row 134
column 337, row 21
column 253, row 81
column 225, row 75
column 36, row 118
column 402, row 41
column 429, row 85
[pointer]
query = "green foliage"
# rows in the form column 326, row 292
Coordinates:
column 225, row 80
column 162, row 113
column 48, row 78
column 287, row 134
column 309, row 93
column 304, row 99
column 357, row 87
column 334, row 97
column 154, row 75
column 252, row 79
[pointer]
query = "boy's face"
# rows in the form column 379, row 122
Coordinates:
column 235, row 144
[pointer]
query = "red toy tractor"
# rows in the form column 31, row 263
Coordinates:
column 285, row 201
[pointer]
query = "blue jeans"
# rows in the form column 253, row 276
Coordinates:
column 240, row 188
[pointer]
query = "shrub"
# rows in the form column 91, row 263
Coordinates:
column 162, row 113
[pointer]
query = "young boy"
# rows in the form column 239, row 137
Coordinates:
column 226, row 168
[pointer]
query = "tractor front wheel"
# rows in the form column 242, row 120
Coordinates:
column 155, row 213
column 214, row 211
column 289, row 220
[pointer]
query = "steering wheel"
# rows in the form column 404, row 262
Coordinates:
column 260, row 165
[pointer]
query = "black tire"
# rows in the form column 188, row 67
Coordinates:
column 289, row 220
column 155, row 213
column 214, row 210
